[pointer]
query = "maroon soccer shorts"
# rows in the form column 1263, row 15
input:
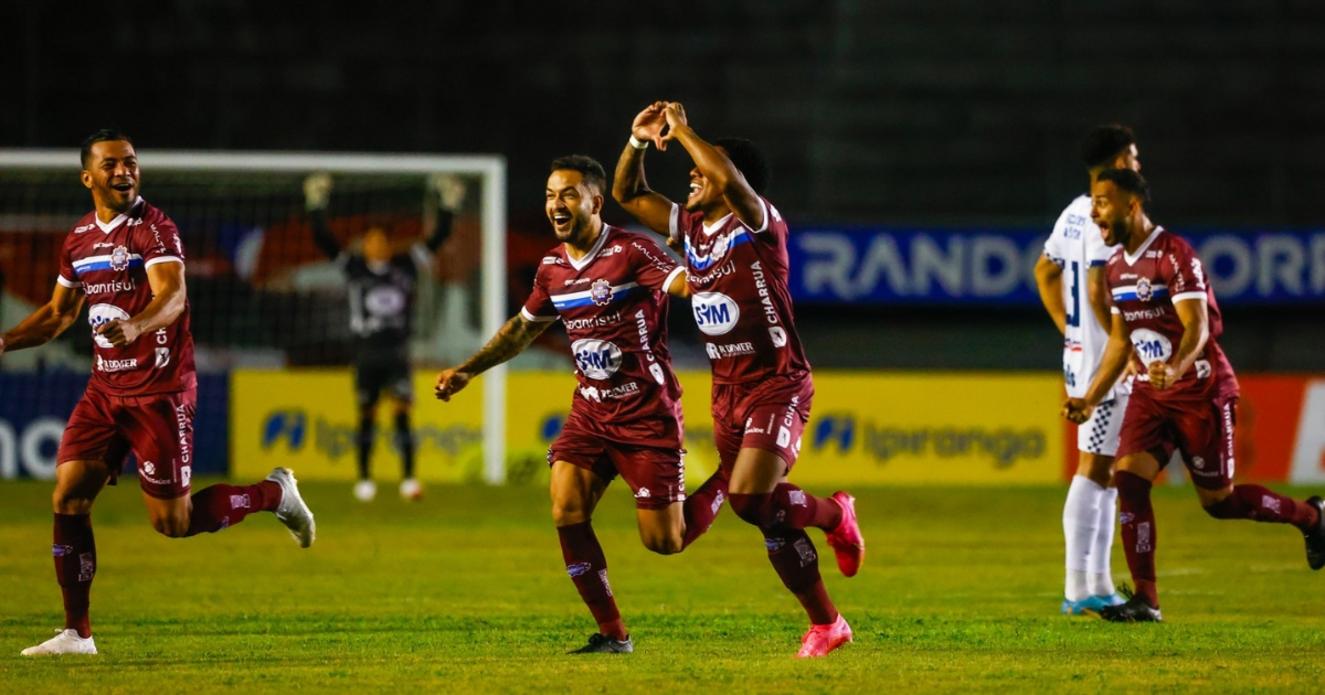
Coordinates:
column 656, row 475
column 769, row 415
column 158, row 428
column 1200, row 428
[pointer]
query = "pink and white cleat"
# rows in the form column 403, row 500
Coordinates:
column 822, row 639
column 847, row 543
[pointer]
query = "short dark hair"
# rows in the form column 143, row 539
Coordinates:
column 749, row 160
column 1128, row 180
column 1104, row 143
column 103, row 135
column 589, row 168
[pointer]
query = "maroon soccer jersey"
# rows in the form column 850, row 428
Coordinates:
column 741, row 301
column 109, row 261
column 1144, row 287
column 613, row 303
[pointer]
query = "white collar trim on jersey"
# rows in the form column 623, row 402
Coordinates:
column 1132, row 259
column 710, row 229
column 584, row 262
column 108, row 227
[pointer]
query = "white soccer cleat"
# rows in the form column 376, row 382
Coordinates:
column 411, row 490
column 292, row 511
column 365, row 490
column 64, row 642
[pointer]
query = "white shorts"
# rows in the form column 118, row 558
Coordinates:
column 1099, row 434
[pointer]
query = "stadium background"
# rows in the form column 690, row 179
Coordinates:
column 921, row 151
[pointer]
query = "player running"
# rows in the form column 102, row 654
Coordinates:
column 1185, row 395
column 736, row 250
column 126, row 258
column 609, row 287
column 381, row 282
column 1070, row 277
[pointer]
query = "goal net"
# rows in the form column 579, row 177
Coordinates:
column 264, row 298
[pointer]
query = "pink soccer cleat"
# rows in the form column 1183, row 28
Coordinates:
column 847, row 543
column 822, row 639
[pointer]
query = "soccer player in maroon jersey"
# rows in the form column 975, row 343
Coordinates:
column 1185, row 395
column 126, row 259
column 610, row 288
column 735, row 243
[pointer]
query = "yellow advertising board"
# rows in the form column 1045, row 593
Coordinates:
column 865, row 427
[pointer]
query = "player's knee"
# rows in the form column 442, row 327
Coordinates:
column 171, row 525
column 664, row 543
column 68, row 502
column 566, row 513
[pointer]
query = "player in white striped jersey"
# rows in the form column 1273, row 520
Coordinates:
column 1070, row 277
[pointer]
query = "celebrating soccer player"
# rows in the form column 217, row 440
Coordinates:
column 735, row 245
column 126, row 258
column 381, row 282
column 610, row 288
column 1070, row 277
column 1185, row 394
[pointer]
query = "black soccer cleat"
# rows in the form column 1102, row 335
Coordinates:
column 1135, row 610
column 1315, row 536
column 602, row 644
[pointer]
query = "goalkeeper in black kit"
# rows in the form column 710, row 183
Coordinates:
column 381, row 282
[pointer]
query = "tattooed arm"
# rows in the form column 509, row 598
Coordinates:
column 511, row 340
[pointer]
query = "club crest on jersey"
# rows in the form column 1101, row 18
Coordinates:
column 601, row 292
column 720, row 246
column 119, row 258
column 1143, row 291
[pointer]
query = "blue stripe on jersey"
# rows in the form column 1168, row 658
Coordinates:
column 104, row 265
column 617, row 296
column 1127, row 296
column 741, row 237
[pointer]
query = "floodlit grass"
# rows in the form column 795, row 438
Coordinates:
column 466, row 592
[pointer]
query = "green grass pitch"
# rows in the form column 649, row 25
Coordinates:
column 466, row 592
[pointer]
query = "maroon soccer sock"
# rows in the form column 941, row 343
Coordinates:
column 702, row 507
column 1261, row 504
column 75, row 553
column 1137, row 517
column 587, row 567
column 794, row 558
column 804, row 510
column 222, row 506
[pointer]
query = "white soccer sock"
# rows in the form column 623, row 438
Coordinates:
column 1081, row 516
column 1101, row 548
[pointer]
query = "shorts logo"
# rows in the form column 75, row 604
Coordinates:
column 578, row 568
column 119, row 258
column 597, row 359
column 779, row 336
column 185, row 475
column 149, row 468
column 642, row 494
column 1198, row 462
column 715, row 313
column 601, row 292
column 162, row 357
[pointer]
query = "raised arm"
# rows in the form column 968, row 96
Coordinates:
column 1116, row 354
column 47, row 322
column 317, row 194
column 446, row 193
column 716, row 168
column 629, row 187
column 1049, row 280
column 510, row 340
column 169, row 298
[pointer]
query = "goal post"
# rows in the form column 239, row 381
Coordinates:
column 56, row 168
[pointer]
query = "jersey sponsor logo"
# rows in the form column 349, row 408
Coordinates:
column 722, row 270
column 102, row 245
column 765, row 300
column 601, row 292
column 1151, row 346
column 599, row 321
column 610, row 251
column 84, row 228
column 576, row 281
column 552, row 260
column 718, row 352
column 596, row 359
column 105, row 365
column 1143, row 314
column 113, row 287
column 655, row 369
column 102, row 314
column 715, row 313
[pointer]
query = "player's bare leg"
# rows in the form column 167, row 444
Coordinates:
column 1262, row 504
column 673, row 528
column 1134, row 477
column 761, row 496
column 409, row 485
column 575, row 493
column 1088, row 519
column 77, row 484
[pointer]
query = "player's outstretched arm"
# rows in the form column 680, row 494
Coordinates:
column 446, row 193
column 716, row 167
column 1049, row 280
column 47, row 322
column 169, row 298
column 317, row 195
column 1116, row 354
column 1195, row 334
column 510, row 340
column 630, row 189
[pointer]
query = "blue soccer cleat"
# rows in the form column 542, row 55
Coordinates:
column 1090, row 604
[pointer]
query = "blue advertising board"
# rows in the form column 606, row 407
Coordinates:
column 984, row 266
column 34, row 407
